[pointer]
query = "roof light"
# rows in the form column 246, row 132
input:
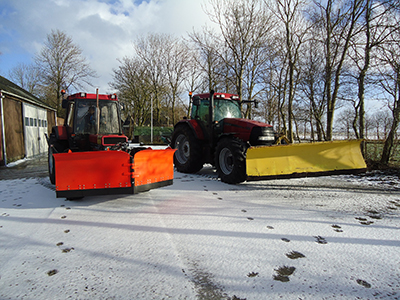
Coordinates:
column 83, row 95
column 234, row 97
column 113, row 96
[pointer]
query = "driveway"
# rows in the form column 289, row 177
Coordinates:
column 26, row 168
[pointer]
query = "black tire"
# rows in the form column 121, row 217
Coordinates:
column 52, row 167
column 230, row 160
column 54, row 147
column 188, row 157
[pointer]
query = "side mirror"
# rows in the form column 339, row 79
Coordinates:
column 196, row 100
column 256, row 104
column 64, row 103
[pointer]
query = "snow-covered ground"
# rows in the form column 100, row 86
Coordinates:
column 313, row 238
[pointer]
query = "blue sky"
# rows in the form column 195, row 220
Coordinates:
column 103, row 29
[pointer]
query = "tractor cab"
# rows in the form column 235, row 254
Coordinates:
column 225, row 106
column 93, row 124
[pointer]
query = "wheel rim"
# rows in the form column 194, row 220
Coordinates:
column 226, row 161
column 183, row 149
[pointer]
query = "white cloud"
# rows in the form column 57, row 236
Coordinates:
column 104, row 30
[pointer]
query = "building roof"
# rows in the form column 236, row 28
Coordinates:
column 8, row 87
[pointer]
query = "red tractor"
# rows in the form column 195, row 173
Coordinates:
column 243, row 149
column 217, row 134
column 89, row 155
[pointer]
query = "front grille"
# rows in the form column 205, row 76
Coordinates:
column 107, row 141
column 262, row 136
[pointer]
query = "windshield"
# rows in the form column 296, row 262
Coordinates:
column 222, row 109
column 86, row 117
column 226, row 109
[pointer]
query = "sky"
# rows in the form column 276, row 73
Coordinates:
column 337, row 237
column 103, row 29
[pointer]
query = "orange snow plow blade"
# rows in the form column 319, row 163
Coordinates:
column 80, row 174
column 301, row 160
column 153, row 168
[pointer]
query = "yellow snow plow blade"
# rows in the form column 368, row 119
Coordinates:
column 308, row 159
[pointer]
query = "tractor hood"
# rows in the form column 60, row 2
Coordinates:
column 254, row 132
column 243, row 124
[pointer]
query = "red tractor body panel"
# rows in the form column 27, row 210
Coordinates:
column 241, row 128
column 195, row 126
column 112, row 97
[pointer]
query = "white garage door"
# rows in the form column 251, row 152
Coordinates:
column 35, row 121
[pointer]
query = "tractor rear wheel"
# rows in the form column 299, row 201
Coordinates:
column 52, row 167
column 188, row 157
column 230, row 160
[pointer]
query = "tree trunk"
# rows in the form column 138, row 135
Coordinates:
column 389, row 143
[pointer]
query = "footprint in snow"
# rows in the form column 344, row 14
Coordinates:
column 66, row 250
column 252, row 274
column 373, row 214
column 367, row 223
column 337, row 228
column 320, row 240
column 364, row 221
column 283, row 273
column 363, row 283
column 52, row 272
column 295, row 255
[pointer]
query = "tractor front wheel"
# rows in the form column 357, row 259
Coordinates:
column 230, row 160
column 188, row 157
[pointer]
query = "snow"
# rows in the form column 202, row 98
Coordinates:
column 203, row 239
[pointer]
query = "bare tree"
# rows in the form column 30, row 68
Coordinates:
column 390, row 82
column 294, row 30
column 178, row 58
column 337, row 20
column 208, row 60
column 62, row 66
column 152, row 79
column 152, row 50
column 381, row 121
column 374, row 30
column 194, row 79
column 312, row 86
column 345, row 122
column 26, row 76
column 245, row 27
column 130, row 79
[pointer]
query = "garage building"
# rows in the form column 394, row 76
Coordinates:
column 25, row 120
